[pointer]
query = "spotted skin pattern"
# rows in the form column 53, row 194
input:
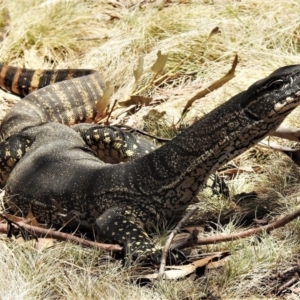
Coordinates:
column 113, row 144
column 11, row 151
column 67, row 96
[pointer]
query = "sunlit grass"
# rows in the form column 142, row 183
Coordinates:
column 110, row 36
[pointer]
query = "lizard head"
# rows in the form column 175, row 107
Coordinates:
column 183, row 165
column 273, row 97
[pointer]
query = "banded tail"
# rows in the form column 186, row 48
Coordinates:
column 67, row 96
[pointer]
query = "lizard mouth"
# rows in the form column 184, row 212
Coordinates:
column 288, row 102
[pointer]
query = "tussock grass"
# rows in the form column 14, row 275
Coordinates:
column 110, row 36
column 63, row 271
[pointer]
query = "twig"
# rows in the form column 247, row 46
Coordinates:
column 293, row 154
column 166, row 248
column 232, row 237
column 109, row 114
column 61, row 236
column 14, row 220
column 159, row 139
column 275, row 146
column 292, row 134
column 293, row 280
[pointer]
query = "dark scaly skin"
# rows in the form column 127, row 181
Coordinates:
column 67, row 96
column 113, row 144
column 67, row 102
column 11, row 151
column 110, row 144
column 124, row 201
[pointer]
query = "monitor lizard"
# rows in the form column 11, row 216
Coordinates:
column 68, row 96
column 61, row 179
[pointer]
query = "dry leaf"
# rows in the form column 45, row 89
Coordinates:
column 12, row 218
column 245, row 169
column 217, row 264
column 136, row 100
column 40, row 244
column 176, row 272
column 130, row 108
column 103, row 102
column 213, row 32
column 44, row 243
column 272, row 145
column 138, row 72
column 160, row 62
column 32, row 219
column 121, row 111
column 213, row 86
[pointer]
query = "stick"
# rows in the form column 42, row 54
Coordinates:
column 166, row 248
column 275, row 146
column 285, row 286
column 232, row 237
column 131, row 129
column 61, row 236
column 292, row 134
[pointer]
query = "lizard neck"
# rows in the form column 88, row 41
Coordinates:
column 176, row 172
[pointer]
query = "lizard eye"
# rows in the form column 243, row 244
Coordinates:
column 276, row 85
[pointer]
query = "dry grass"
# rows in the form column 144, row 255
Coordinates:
column 110, row 36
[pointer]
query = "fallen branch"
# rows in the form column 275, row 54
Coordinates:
column 166, row 248
column 61, row 236
column 292, row 134
column 294, row 154
column 275, row 146
column 285, row 286
column 232, row 237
